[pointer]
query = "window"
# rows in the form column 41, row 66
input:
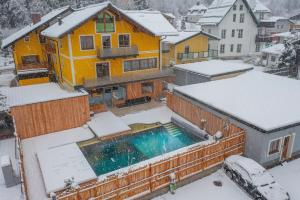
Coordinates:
column 239, row 48
column 209, row 30
column 233, row 33
column 105, row 23
column 26, row 38
column 273, row 58
column 222, row 48
column 241, row 7
column 141, row 64
column 274, row 146
column 257, row 47
column 124, row 40
column 231, row 48
column 240, row 34
column 42, row 39
column 234, row 7
column 187, row 49
column 147, row 87
column 32, row 59
column 223, row 34
column 242, row 18
column 261, row 16
column 106, row 42
column 234, row 18
column 86, row 42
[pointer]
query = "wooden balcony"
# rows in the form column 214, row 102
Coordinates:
column 118, row 52
column 196, row 56
column 32, row 66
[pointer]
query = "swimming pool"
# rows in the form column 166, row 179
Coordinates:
column 107, row 156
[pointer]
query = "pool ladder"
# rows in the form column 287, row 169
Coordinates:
column 173, row 130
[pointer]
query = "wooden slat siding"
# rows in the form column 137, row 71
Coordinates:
column 194, row 114
column 52, row 116
column 134, row 90
column 156, row 175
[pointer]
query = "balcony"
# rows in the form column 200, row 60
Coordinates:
column 263, row 38
column 118, row 52
column 32, row 66
column 196, row 56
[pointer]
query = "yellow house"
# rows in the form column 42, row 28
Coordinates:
column 114, row 54
column 187, row 47
column 29, row 48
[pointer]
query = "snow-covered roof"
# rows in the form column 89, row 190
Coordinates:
column 184, row 35
column 170, row 15
column 101, row 124
column 258, row 6
column 214, row 67
column 31, row 27
column 198, row 8
column 244, row 98
column 152, row 21
column 219, row 9
column 61, row 163
column 30, row 94
column 274, row 19
column 275, row 49
column 287, row 35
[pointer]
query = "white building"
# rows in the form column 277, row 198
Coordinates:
column 195, row 13
column 271, row 55
column 235, row 23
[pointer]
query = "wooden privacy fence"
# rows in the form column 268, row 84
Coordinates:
column 200, row 117
column 154, row 176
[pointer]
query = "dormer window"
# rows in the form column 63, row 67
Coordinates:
column 105, row 23
column 234, row 7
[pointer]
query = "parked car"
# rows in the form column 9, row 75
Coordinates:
column 254, row 179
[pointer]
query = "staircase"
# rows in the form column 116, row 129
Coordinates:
column 173, row 130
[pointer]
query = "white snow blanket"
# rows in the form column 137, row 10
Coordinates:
column 106, row 123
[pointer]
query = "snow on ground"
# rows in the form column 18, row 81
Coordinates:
column 205, row 189
column 7, row 147
column 6, row 78
column 162, row 114
column 101, row 124
column 36, row 188
column 288, row 176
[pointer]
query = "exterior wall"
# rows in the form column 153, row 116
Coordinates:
column 33, row 81
column 249, row 33
column 186, row 78
column 84, row 61
column 51, row 116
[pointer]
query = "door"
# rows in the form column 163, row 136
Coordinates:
column 285, row 148
column 107, row 98
column 102, row 70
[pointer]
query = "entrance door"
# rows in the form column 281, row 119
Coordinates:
column 285, row 148
column 102, row 70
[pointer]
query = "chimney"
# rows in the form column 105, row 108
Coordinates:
column 35, row 17
column 59, row 20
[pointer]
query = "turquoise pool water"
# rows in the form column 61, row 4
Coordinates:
column 111, row 155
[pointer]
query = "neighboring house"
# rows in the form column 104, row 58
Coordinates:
column 235, row 23
column 30, row 48
column 260, row 11
column 196, row 12
column 112, row 53
column 270, row 116
column 212, row 70
column 271, row 55
column 296, row 20
column 187, row 47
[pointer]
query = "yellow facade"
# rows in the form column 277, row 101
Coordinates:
column 33, row 81
column 196, row 44
column 79, row 65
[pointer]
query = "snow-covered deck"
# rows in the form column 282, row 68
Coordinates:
column 106, row 123
column 31, row 147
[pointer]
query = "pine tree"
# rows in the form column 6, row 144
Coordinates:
column 141, row 4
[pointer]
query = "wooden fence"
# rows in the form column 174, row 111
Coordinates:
column 200, row 117
column 46, row 117
column 156, row 175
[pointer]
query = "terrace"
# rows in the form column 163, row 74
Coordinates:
column 118, row 52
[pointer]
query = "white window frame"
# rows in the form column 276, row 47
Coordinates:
column 106, row 35
column 279, row 146
column 119, row 39
column 93, row 43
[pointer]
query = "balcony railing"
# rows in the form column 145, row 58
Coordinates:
column 197, row 56
column 263, row 38
column 118, row 52
column 32, row 66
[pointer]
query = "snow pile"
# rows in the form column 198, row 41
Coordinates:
column 30, row 94
column 106, row 123
column 245, row 97
column 214, row 67
column 27, row 29
column 61, row 163
column 183, row 35
column 162, row 114
column 276, row 49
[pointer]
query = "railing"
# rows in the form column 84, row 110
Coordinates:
column 263, row 38
column 118, row 52
column 197, row 56
column 32, row 66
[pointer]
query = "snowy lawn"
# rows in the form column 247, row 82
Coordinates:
column 205, row 189
column 288, row 176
